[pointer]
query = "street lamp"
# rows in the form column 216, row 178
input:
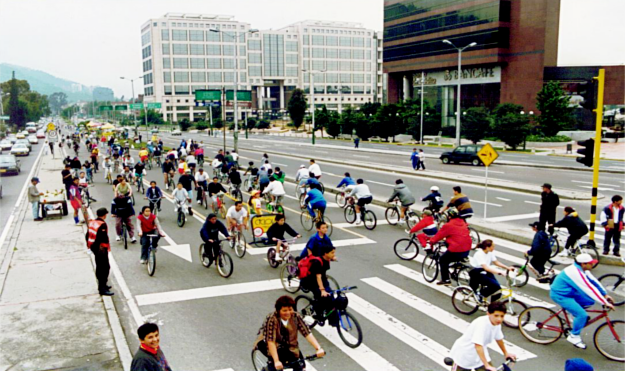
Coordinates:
column 134, row 116
column 234, row 37
column 460, row 50
column 312, row 99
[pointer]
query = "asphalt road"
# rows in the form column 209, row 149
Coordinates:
column 210, row 323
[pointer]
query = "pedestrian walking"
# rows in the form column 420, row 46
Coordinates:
column 612, row 220
column 149, row 357
column 421, row 160
column 414, row 158
column 51, row 145
column 548, row 206
column 33, row 198
column 98, row 242
column 356, row 142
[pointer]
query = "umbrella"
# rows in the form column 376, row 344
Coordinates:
column 108, row 126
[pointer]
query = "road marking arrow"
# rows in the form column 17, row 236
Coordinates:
column 183, row 251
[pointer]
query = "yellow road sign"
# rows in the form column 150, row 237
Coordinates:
column 51, row 126
column 487, row 154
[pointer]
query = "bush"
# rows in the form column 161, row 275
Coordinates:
column 555, row 138
column 475, row 124
column 448, row 131
column 201, row 125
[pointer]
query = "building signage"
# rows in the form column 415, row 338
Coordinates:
column 471, row 75
column 135, row 106
column 121, row 108
column 156, row 105
column 201, row 95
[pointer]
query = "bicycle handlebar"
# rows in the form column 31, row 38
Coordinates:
column 346, row 288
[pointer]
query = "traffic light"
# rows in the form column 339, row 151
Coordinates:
column 588, row 92
column 587, row 152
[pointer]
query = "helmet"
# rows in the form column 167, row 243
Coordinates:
column 302, row 166
column 434, row 189
column 452, row 213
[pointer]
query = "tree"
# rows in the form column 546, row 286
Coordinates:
column 297, row 107
column 264, row 124
column 322, row 119
column 201, row 125
column 57, row 101
column 370, row 108
column 184, row 124
column 351, row 120
column 509, row 125
column 334, row 128
column 387, row 123
column 154, row 118
column 476, row 124
column 17, row 109
column 555, row 113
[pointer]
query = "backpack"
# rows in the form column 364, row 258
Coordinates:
column 304, row 265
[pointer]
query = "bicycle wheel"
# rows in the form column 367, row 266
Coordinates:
column 350, row 214
column 271, row 257
column 304, row 306
column 370, row 220
column 205, row 200
column 475, row 236
column 406, row 249
column 302, row 201
column 519, row 277
column 464, row 300
column 334, row 284
column 307, row 221
column 513, row 309
column 554, row 243
column 613, row 283
column 392, row 215
column 181, row 219
column 125, row 235
column 203, row 258
column 151, row 262
column 412, row 219
column 349, row 329
column 462, row 277
column 323, row 188
column 329, row 224
column 587, row 249
column 225, row 266
column 289, row 276
column 429, row 268
column 341, row 200
column 222, row 211
column 259, row 360
column 240, row 245
column 237, row 195
column 540, row 325
column 606, row 342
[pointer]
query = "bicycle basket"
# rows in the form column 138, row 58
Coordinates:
column 340, row 302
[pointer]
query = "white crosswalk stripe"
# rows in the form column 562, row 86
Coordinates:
column 301, row 246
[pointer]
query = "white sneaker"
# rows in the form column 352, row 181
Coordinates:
column 199, row 202
column 142, row 261
column 576, row 340
column 402, row 222
column 118, row 238
column 308, row 320
column 278, row 258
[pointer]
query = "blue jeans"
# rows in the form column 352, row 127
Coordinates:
column 580, row 317
column 321, row 206
column 35, row 206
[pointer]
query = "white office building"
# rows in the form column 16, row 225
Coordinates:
column 182, row 53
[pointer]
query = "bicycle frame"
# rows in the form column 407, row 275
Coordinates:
column 603, row 314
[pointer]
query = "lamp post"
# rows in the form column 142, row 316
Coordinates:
column 460, row 50
column 235, row 135
column 312, row 99
column 132, row 83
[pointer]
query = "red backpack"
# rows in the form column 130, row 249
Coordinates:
column 304, row 265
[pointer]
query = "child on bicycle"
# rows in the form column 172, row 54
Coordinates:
column 154, row 195
column 276, row 232
column 317, row 283
column 255, row 203
column 148, row 224
column 429, row 227
column 83, row 184
column 181, row 197
column 483, row 273
column 89, row 171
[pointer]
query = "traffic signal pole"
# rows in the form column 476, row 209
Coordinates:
column 595, row 173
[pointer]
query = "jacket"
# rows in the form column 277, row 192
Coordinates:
column 573, row 282
column 122, row 207
column 153, row 193
column 211, row 231
column 316, row 245
column 33, row 193
column 97, row 235
column 456, row 234
column 414, row 158
column 277, row 231
column 435, row 198
column 574, row 224
column 427, row 224
column 279, row 176
column 402, row 192
column 314, row 196
column 549, row 202
column 608, row 214
column 461, row 202
column 347, row 181
column 540, row 244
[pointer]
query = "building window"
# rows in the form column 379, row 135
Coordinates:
column 165, row 48
column 181, row 77
column 358, row 42
column 253, row 45
column 358, row 78
column 166, row 77
column 345, row 41
column 179, row 35
column 228, row 63
column 167, row 89
column 198, row 77
column 358, row 54
column 255, row 71
column 291, row 46
column 317, row 40
column 180, row 49
column 228, row 50
column 213, row 49
column 164, row 34
column 213, row 36
column 166, row 63
column 332, row 78
column 346, row 78
column 228, row 76
column 196, row 87
column 214, row 77
column 196, row 35
column 318, row 65
column 197, row 49
column 145, row 38
column 306, row 53
column 332, row 41
column 255, row 58
column 346, row 66
column 181, row 89
column 305, row 40
column 358, row 66
column 317, row 53
column 197, row 63
column 242, row 64
column 181, row 63
column 291, row 71
column 291, row 58
column 345, row 54
column 332, row 53
column 242, row 50
column 214, row 63
column 243, row 77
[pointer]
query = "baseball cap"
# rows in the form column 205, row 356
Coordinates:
column 585, row 258
column 535, row 224
column 35, row 179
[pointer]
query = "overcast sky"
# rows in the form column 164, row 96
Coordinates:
column 94, row 42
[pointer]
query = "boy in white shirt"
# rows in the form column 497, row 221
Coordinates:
column 276, row 189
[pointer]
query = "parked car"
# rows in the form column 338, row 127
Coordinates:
column 464, row 153
column 6, row 144
column 32, row 139
column 9, row 164
column 176, row 132
column 20, row 149
column 25, row 142
column 41, row 135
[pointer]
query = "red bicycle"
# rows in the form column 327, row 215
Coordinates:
column 544, row 326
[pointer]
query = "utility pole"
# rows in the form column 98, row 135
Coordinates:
column 595, row 171
column 421, row 124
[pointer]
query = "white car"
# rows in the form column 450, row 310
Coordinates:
column 176, row 132
column 33, row 139
column 6, row 144
column 20, row 149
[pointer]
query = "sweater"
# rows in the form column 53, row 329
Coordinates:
column 456, row 234
column 402, row 192
column 427, row 224
column 277, row 231
column 574, row 224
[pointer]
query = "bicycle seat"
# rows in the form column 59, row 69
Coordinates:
column 554, row 263
column 448, row 361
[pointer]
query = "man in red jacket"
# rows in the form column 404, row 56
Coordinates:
column 456, row 235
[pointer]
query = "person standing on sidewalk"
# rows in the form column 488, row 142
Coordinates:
column 149, row 357
column 356, row 142
column 67, row 178
column 548, row 206
column 98, row 242
column 33, row 198
column 415, row 159
column 75, row 199
column 612, row 221
column 421, row 160
column 51, row 145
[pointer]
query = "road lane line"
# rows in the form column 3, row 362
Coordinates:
column 361, row 156
column 482, row 202
column 384, row 184
column 490, row 171
column 582, row 182
column 503, row 199
column 301, row 246
column 437, row 313
column 512, row 217
column 354, row 225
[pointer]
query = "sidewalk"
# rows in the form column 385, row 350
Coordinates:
column 51, row 314
column 609, row 151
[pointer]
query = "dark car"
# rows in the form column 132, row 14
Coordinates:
column 9, row 164
column 465, row 153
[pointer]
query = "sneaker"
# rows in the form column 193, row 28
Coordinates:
column 190, row 212
column 142, row 261
column 606, row 252
column 199, row 202
column 133, row 240
column 445, row 283
column 118, row 238
column 576, row 340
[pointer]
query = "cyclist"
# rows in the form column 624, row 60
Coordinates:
column 428, row 225
column 276, row 232
column 188, row 182
column 182, row 151
column 483, row 273
column 143, row 154
column 461, row 203
column 191, row 162
column 363, row 195
column 83, row 184
column 172, row 155
column 317, row 283
column 315, row 201
column 128, row 160
column 210, row 235
column 312, row 182
column 254, row 202
column 94, row 157
column 214, row 189
column 277, row 337
column 276, row 190
column 435, row 199
column 264, row 159
column 279, row 175
column 234, row 177
column 122, row 211
column 317, row 242
column 235, row 158
column 147, row 223
column 201, row 179
column 168, row 171
column 216, row 164
column 266, row 165
column 157, row 155
column 199, row 154
column 301, row 177
column 237, row 216
column 182, row 166
column 128, row 174
column 88, row 170
column 470, row 351
column 575, row 289
column 76, row 166
column 116, row 162
column 229, row 160
column 123, row 188
column 263, row 178
column 154, row 194
column 457, row 236
column 315, row 169
column 139, row 171
column 116, row 181
column 347, row 182
column 574, row 224
column 541, row 249
column 181, row 197
column 402, row 192
column 107, row 164
column 220, row 156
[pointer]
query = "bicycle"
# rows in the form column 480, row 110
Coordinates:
column 289, row 277
column 202, row 194
column 612, row 282
column 158, row 160
column 221, row 206
column 170, row 181
column 393, row 212
column 439, row 218
column 348, row 327
column 367, row 217
column 520, row 276
column 139, row 182
column 544, row 326
column 148, row 163
column 182, row 213
column 504, row 366
column 466, row 301
column 572, row 252
column 153, row 204
column 341, row 197
column 238, row 242
column 235, row 192
column 308, row 222
column 275, row 205
column 124, row 235
column 407, row 248
column 86, row 200
column 458, row 271
column 151, row 265
column 224, row 264
column 250, row 183
column 275, row 259
column 260, row 361
column 109, row 175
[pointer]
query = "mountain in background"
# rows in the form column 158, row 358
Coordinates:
column 44, row 83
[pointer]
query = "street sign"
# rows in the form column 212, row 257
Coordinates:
column 487, row 154
column 5, row 117
column 52, row 134
column 121, row 108
column 136, row 106
column 51, row 127
column 106, row 108
column 242, row 95
column 206, row 104
column 156, row 105
column 241, row 104
column 208, row 95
